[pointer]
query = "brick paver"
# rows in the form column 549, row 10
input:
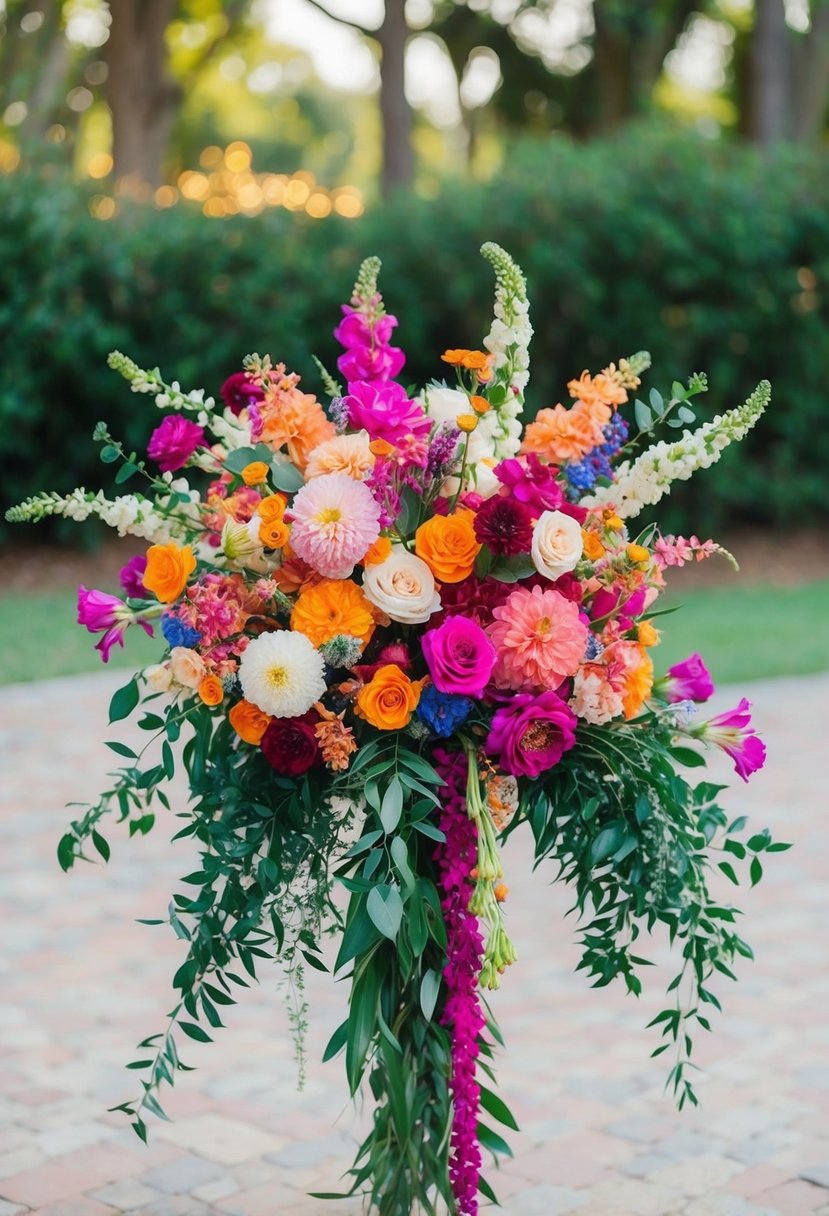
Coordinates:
column 81, row 982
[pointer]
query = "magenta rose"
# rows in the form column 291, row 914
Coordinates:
column 290, row 745
column 460, row 656
column 174, row 442
column 239, row 392
column 689, row 680
column 529, row 735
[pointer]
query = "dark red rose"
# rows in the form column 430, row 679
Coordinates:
column 239, row 391
column 290, row 746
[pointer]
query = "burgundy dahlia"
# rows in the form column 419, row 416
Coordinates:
column 504, row 525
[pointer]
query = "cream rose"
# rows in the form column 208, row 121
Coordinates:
column 158, row 677
column 444, row 404
column 402, row 587
column 557, row 544
column 187, row 666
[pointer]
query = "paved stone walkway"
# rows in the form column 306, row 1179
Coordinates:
column 81, row 983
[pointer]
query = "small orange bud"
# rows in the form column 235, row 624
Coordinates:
column 255, row 473
column 501, row 891
column 467, row 422
column 381, row 447
column 646, row 634
column 272, row 507
column 473, row 873
column 593, row 547
column 479, row 404
column 378, row 552
column 614, row 522
column 637, row 553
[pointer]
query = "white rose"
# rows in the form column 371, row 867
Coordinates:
column 444, row 404
column 557, row 544
column 187, row 666
column 158, row 677
column 403, row 587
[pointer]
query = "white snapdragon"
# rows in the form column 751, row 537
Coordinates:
column 642, row 482
column 508, row 343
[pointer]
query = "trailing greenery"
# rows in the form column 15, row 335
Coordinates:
column 713, row 255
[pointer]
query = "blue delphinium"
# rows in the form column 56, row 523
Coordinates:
column 583, row 474
column 443, row 712
column 176, row 633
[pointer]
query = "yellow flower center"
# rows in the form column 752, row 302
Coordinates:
column 544, row 626
column 277, row 676
column 329, row 515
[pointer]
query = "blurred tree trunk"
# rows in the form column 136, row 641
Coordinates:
column 768, row 102
column 142, row 98
column 811, row 77
column 398, row 157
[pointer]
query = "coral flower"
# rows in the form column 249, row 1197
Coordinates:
column 334, row 520
column 389, row 699
column 331, row 607
column 638, row 676
column 349, row 454
column 293, row 420
column 540, row 639
column 448, row 546
column 336, row 740
column 559, row 434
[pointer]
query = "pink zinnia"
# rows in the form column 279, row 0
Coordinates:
column 540, row 639
column 334, row 519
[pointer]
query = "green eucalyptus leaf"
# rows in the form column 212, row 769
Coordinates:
column 385, row 908
column 429, row 991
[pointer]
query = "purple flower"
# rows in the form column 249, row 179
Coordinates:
column 103, row 613
column 689, row 680
column 733, row 732
column 239, row 392
column 174, row 442
column 460, row 656
column 384, row 410
column 443, row 452
column 531, row 733
column 132, row 577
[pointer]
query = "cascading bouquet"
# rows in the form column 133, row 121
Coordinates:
column 397, row 630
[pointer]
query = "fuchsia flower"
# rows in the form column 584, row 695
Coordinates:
column 174, row 442
column 239, row 392
column 131, row 577
column 103, row 613
column 384, row 410
column 460, row 656
column 531, row 734
column 689, row 680
column 733, row 732
column 368, row 355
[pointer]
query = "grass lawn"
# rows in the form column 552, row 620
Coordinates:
column 743, row 633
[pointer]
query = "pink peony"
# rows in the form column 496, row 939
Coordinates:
column 460, row 656
column 334, row 519
column 174, row 442
column 384, row 410
column 540, row 639
column 531, row 734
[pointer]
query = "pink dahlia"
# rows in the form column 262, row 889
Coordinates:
column 334, row 520
column 540, row 639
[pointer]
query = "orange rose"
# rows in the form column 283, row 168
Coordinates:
column 254, row 474
column 211, row 690
column 168, row 569
column 448, row 546
column 389, row 699
column 467, row 422
column 272, row 507
column 593, row 547
column 249, row 722
column 479, row 404
column 274, row 533
column 378, row 552
column 646, row 635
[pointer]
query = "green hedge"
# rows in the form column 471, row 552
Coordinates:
column 706, row 254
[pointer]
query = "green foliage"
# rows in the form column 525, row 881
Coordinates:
column 708, row 254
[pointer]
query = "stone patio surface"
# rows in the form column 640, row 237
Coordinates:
column 81, row 983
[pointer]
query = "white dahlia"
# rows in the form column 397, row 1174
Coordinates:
column 282, row 673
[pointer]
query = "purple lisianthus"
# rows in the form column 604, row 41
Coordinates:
column 103, row 613
column 531, row 733
column 733, row 732
column 132, row 577
column 689, row 680
column 174, row 442
column 384, row 410
column 239, row 392
column 460, row 656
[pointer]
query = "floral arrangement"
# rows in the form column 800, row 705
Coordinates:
column 399, row 628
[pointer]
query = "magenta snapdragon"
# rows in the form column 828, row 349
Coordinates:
column 365, row 331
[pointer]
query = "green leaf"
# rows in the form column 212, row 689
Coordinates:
column 678, row 390
column 642, row 415
column 755, row 871
column 496, row 1107
column 362, row 1020
column 685, row 415
column 512, row 569
column 121, row 749
column 109, row 454
column 195, row 1032
column 314, row 962
column 286, row 477
column 657, row 403
column 607, row 842
column 385, row 907
column 359, row 935
column 101, row 844
column 728, row 871
column 483, row 563
column 688, row 757
column 167, row 760
column 400, row 857
column 236, row 460
column 429, row 991
column 125, row 472
column 491, row 1140
column 124, row 701
column 429, row 829
column 66, row 852
column 487, row 1191
column 336, row 1042
column 391, row 807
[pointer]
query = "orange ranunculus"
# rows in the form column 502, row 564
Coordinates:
column 479, row 404
column 168, row 569
column 448, row 546
column 381, row 447
column 637, row 554
column 600, row 394
column 593, row 547
column 638, row 682
column 254, row 474
column 274, row 533
column 456, row 358
column 389, row 699
column 560, row 434
column 378, row 552
column 211, row 690
column 467, row 422
column 249, row 722
column 272, row 507
column 646, row 635
column 330, row 607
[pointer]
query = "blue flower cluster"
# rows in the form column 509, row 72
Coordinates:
column 583, row 474
column 176, row 633
column 593, row 648
column 443, row 712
